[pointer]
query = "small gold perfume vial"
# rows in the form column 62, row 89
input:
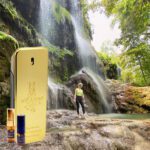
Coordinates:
column 10, row 126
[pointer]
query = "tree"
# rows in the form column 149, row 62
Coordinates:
column 133, row 16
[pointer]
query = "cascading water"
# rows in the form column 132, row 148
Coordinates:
column 87, row 54
column 101, row 88
column 45, row 17
column 45, row 28
column 53, row 94
column 59, row 95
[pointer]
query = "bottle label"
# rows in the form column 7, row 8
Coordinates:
column 11, row 133
column 20, row 138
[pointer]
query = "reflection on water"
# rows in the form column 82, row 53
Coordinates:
column 126, row 116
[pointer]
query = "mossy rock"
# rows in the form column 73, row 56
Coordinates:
column 138, row 98
column 60, row 13
column 20, row 28
column 8, row 45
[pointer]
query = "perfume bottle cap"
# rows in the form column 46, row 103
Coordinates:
column 21, row 124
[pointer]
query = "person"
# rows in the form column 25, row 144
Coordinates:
column 79, row 99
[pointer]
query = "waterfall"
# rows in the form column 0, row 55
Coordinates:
column 101, row 88
column 59, row 95
column 45, row 28
column 87, row 54
column 45, row 17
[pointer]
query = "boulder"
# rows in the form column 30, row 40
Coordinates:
column 97, row 96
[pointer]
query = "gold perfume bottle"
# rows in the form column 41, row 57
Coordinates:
column 10, row 126
column 29, row 67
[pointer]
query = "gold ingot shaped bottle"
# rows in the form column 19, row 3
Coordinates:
column 29, row 76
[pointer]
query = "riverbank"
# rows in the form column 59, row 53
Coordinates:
column 65, row 131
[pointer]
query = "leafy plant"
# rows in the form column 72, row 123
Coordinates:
column 133, row 17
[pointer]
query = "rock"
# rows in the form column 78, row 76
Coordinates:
column 29, row 9
column 97, row 96
column 4, row 100
column 129, row 99
column 8, row 44
column 19, row 28
column 59, row 97
column 94, row 132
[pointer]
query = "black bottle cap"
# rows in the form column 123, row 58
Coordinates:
column 21, row 124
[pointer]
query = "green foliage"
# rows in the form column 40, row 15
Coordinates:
column 8, row 45
column 56, row 51
column 110, row 65
column 9, row 6
column 60, row 13
column 133, row 16
column 137, row 60
column 6, row 37
column 94, row 5
column 18, row 24
column 87, row 25
column 58, row 64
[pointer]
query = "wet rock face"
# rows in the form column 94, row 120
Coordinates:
column 8, row 44
column 29, row 9
column 4, row 100
column 17, row 26
column 67, row 132
column 93, row 95
column 61, row 98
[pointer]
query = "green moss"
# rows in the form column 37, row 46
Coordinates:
column 5, row 37
column 8, row 45
column 87, row 25
column 3, row 27
column 17, row 23
column 55, row 50
column 9, row 6
column 57, row 62
column 60, row 13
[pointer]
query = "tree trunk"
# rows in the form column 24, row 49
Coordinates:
column 139, row 60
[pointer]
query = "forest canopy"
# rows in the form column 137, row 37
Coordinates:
column 134, row 22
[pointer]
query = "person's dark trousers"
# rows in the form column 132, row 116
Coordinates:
column 79, row 100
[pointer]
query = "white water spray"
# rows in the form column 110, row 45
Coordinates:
column 87, row 54
column 45, row 17
column 45, row 27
